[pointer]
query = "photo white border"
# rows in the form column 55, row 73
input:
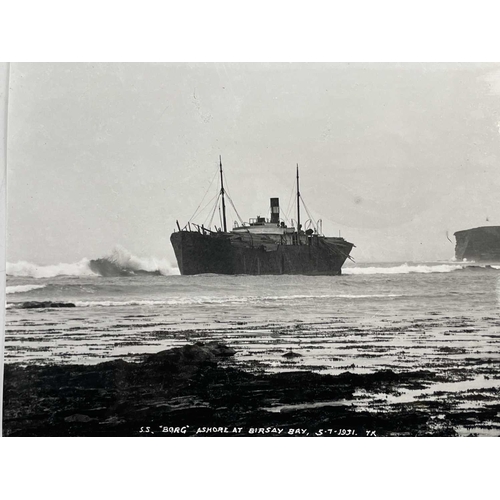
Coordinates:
column 257, row 31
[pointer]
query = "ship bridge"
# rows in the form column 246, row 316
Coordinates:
column 261, row 225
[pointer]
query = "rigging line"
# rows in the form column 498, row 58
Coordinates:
column 284, row 213
column 234, row 208
column 290, row 202
column 229, row 197
column 213, row 212
column 196, row 211
column 291, row 199
column 208, row 203
column 226, row 183
column 310, row 216
column 217, row 196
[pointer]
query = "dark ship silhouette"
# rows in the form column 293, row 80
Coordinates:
column 480, row 244
column 261, row 246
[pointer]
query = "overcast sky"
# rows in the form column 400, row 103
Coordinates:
column 393, row 156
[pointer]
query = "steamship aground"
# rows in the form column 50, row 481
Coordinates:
column 260, row 246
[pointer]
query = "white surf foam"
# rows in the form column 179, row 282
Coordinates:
column 22, row 288
column 118, row 303
column 223, row 300
column 126, row 260
column 403, row 269
column 27, row 269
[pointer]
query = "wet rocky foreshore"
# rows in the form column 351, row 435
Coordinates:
column 197, row 390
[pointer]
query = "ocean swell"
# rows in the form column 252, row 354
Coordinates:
column 22, row 288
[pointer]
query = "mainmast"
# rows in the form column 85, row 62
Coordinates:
column 222, row 194
column 298, row 206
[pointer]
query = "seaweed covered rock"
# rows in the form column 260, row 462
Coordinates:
column 195, row 354
column 43, row 305
column 193, row 387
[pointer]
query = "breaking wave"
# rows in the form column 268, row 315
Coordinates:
column 404, row 269
column 120, row 263
column 22, row 288
column 29, row 270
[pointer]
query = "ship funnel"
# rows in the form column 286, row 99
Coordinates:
column 275, row 210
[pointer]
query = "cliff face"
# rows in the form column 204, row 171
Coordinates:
column 478, row 244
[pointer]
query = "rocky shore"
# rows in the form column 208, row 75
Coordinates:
column 196, row 390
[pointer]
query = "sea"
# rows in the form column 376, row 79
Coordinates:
column 402, row 316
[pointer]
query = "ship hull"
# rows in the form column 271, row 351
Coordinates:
column 199, row 253
column 481, row 244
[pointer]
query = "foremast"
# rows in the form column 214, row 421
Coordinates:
column 222, row 195
column 298, row 207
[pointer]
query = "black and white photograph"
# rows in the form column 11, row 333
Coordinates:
column 252, row 249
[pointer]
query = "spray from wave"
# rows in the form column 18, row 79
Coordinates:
column 120, row 263
column 29, row 270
